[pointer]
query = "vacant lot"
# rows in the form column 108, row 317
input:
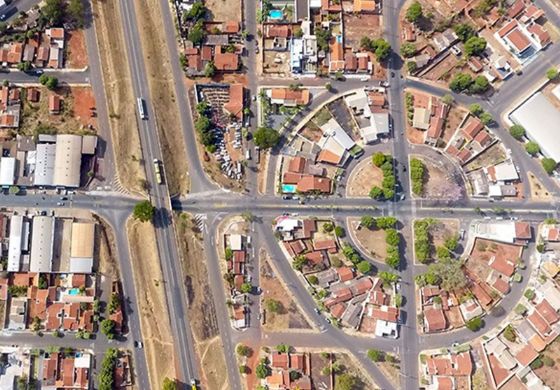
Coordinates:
column 452, row 122
column 77, row 52
column 390, row 370
column 224, row 10
column 443, row 229
column 154, row 318
column 441, row 181
column 354, row 368
column 443, row 70
column 538, row 191
column 491, row 156
column 108, row 265
column 360, row 25
column 549, row 375
column 36, row 119
column 289, row 317
column 363, row 177
column 202, row 312
column 120, row 99
column 372, row 241
column 160, row 79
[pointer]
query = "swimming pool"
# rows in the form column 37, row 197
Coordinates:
column 74, row 291
column 276, row 14
column 288, row 188
column 339, row 38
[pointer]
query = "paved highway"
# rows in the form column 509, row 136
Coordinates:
column 186, row 365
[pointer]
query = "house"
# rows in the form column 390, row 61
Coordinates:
column 224, row 61
column 288, row 97
column 421, row 118
column 54, row 104
column 234, row 106
column 56, row 36
column 434, row 320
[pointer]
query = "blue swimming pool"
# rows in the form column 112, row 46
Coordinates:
column 276, row 14
column 339, row 38
column 288, row 188
column 74, row 291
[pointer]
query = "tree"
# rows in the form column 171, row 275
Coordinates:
column 108, row 328
column 339, row 232
column 364, row 267
column 246, row 288
column 345, row 381
column 532, row 148
column 53, row 12
column 313, row 279
column 388, row 277
column 552, row 74
column 76, row 11
column 411, row 66
column 48, row 81
column 243, row 369
column 392, row 237
column 548, row 361
column 548, row 164
column 197, row 12
column 475, row 46
column 323, row 38
column 299, row 262
column 476, row 109
column 451, row 273
column 475, row 324
column 509, row 334
column 196, row 33
column 273, row 306
column 169, row 384
column 386, row 222
column 243, row 350
column 114, row 303
column 393, row 258
column 378, row 159
column 262, row 370
column 461, row 82
column 382, row 50
column 398, row 300
column 105, row 377
column 447, row 99
column 328, row 227
column 486, row 118
column 283, row 348
column 376, row 192
column 367, row 221
column 408, row 50
column 266, row 137
column 144, row 211
column 210, row 69
column 480, row 85
column 517, row 132
column 376, row 355
column 414, row 12
column 228, row 253
column 328, row 87
column 464, row 31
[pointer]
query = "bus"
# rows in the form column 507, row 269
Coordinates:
column 157, row 170
column 141, row 109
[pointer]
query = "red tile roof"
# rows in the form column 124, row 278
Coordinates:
column 523, row 230
column 234, row 106
column 519, row 40
column 310, row 183
column 324, row 245
column 526, row 355
column 434, row 320
column 539, row 323
column 547, row 312
column 297, row 165
column 472, row 127
column 279, row 360
column 502, row 265
column 345, row 274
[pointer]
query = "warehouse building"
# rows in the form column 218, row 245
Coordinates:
column 82, row 247
column 42, row 240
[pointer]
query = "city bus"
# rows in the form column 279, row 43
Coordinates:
column 141, row 108
column 157, row 170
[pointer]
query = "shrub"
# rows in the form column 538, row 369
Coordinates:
column 509, row 334
column 475, row 46
column 417, row 171
column 392, row 237
column 339, row 232
column 243, row 350
column 520, row 309
column 548, row 361
column 328, row 227
column 266, row 137
column 144, row 211
column 313, row 279
column 414, row 13
column 378, row 159
column 552, row 74
column 376, row 355
column 364, row 267
column 408, row 50
column 460, row 82
column 367, row 221
column 475, row 324
column 529, row 294
column 548, row 164
column 537, row 363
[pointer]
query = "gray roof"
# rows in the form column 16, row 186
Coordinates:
column 540, row 119
column 44, row 167
column 42, row 238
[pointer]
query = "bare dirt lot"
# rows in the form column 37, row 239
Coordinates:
column 73, row 118
column 371, row 240
column 154, row 317
column 452, row 122
column 354, row 368
column 442, row 230
column 108, row 265
column 160, row 78
column 364, row 176
column 224, row 10
column 202, row 311
column 443, row 70
column 549, row 375
column 77, row 52
column 491, row 156
column 288, row 318
column 538, row 191
column 440, row 181
column 120, row 100
column 360, row 25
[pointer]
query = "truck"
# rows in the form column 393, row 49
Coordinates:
column 141, row 109
column 157, row 170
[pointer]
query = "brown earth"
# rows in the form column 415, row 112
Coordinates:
column 290, row 316
column 77, row 57
column 83, row 100
column 154, row 317
column 161, row 83
column 224, row 10
column 549, row 375
column 371, row 240
column 390, row 370
column 120, row 99
column 364, row 176
column 108, row 265
column 35, row 117
column 202, row 312
column 538, row 191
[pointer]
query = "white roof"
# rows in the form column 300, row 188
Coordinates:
column 494, row 190
column 381, row 122
column 83, row 361
column 286, row 224
column 68, row 160
column 235, row 242
column 540, row 119
column 385, row 328
column 81, row 265
column 42, row 238
column 357, row 101
column 14, row 249
column 551, row 293
column 7, row 171
column 333, row 129
column 503, row 231
column 421, row 118
column 44, row 166
column 505, row 171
